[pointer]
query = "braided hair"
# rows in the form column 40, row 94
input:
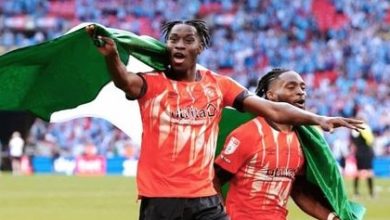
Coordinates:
column 267, row 79
column 199, row 25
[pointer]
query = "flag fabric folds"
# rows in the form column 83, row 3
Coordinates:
column 322, row 170
column 69, row 71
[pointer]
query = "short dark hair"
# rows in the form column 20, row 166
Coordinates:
column 265, row 81
column 199, row 25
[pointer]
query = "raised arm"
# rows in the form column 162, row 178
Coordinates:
column 285, row 113
column 129, row 82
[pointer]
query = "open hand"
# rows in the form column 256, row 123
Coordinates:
column 105, row 45
column 330, row 123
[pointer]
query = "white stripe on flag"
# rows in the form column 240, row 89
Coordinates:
column 111, row 105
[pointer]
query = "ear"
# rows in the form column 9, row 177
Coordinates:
column 200, row 49
column 270, row 95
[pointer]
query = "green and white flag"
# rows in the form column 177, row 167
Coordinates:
column 67, row 78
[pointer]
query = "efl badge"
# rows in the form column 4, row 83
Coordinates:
column 232, row 145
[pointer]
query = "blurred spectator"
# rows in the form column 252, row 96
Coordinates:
column 76, row 137
column 16, row 145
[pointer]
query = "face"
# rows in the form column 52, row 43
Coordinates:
column 184, row 46
column 288, row 87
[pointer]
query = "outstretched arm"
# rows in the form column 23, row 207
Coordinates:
column 285, row 113
column 131, row 84
column 310, row 200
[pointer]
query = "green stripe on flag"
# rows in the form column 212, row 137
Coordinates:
column 322, row 170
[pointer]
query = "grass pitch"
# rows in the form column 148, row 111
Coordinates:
column 67, row 198
column 114, row 197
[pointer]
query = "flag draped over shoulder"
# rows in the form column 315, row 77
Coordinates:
column 67, row 71
column 322, row 169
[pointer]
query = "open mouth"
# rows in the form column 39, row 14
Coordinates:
column 178, row 58
column 300, row 103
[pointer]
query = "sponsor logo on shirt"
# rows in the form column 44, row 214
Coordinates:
column 231, row 146
column 194, row 113
column 282, row 172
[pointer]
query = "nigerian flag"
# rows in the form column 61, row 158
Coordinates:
column 67, row 78
column 69, row 72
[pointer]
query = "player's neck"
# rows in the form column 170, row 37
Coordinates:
column 280, row 127
column 190, row 75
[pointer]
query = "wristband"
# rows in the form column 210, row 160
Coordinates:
column 331, row 216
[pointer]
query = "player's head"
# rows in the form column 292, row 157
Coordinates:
column 16, row 134
column 282, row 85
column 185, row 41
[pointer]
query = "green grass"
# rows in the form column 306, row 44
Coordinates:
column 114, row 198
column 67, row 198
column 377, row 209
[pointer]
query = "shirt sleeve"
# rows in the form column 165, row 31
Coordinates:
column 153, row 84
column 367, row 135
column 239, row 100
column 239, row 147
column 231, row 90
column 143, row 89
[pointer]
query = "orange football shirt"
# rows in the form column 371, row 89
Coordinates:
column 180, row 129
column 264, row 162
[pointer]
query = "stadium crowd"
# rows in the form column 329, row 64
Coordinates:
column 341, row 47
